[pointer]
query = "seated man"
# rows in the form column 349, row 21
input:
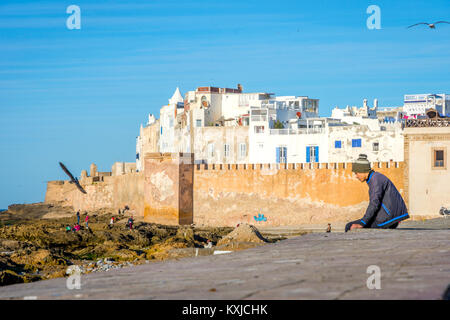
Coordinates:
column 386, row 208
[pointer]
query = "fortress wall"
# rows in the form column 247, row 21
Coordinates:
column 172, row 191
column 113, row 193
column 59, row 192
column 292, row 194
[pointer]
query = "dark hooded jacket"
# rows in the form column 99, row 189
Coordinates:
column 386, row 205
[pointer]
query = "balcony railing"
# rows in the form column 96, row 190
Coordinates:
column 296, row 131
column 259, row 118
column 419, row 123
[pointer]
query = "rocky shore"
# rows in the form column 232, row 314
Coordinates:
column 34, row 243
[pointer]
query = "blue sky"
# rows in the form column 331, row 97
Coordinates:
column 79, row 96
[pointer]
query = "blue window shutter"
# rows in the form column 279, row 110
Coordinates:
column 161, row 130
column 316, row 151
column 285, row 154
column 337, row 144
column 278, row 155
column 308, row 154
column 356, row 143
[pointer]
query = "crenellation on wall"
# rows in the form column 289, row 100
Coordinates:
column 290, row 166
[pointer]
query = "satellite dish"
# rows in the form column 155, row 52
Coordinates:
column 204, row 102
column 432, row 113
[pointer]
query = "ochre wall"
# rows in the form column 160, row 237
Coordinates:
column 225, row 195
column 112, row 193
column 286, row 196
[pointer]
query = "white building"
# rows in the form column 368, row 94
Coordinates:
column 415, row 105
column 345, row 143
column 391, row 114
column 221, row 145
column 224, row 125
column 349, row 132
column 323, row 141
column 168, row 117
column 212, row 106
column 147, row 141
column 354, row 115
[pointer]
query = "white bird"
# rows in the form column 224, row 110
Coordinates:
column 431, row 25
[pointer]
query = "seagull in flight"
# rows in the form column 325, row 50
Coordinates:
column 431, row 25
column 72, row 178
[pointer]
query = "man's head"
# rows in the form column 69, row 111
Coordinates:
column 361, row 167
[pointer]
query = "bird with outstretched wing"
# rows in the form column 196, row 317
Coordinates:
column 72, row 179
column 431, row 25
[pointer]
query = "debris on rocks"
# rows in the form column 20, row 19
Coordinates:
column 243, row 233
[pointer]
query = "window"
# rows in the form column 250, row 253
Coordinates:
column 338, row 144
column 171, row 123
column 312, row 154
column 211, row 150
column 259, row 129
column 439, row 158
column 356, row 143
column 375, row 146
column 226, row 150
column 261, row 146
column 198, row 123
column 281, row 154
column 242, row 150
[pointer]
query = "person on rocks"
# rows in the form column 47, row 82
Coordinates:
column 111, row 222
column 78, row 217
column 130, row 222
column 209, row 244
column 386, row 207
column 87, row 221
